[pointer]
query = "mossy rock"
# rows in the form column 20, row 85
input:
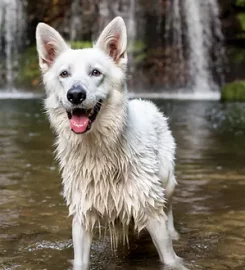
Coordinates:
column 234, row 91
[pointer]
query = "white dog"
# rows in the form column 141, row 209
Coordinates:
column 116, row 155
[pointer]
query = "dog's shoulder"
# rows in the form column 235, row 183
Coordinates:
column 143, row 105
column 144, row 112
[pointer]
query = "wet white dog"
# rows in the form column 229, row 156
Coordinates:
column 116, row 155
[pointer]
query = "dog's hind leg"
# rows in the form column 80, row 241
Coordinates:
column 158, row 229
column 170, row 184
column 172, row 231
column 82, row 240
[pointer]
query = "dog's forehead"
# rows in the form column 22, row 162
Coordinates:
column 83, row 57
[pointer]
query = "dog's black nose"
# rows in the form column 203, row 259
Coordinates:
column 76, row 95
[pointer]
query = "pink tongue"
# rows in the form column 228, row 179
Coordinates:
column 79, row 123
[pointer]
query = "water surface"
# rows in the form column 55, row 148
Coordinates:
column 209, row 202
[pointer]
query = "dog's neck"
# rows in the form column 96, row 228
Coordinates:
column 112, row 119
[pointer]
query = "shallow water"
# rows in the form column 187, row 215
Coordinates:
column 209, row 203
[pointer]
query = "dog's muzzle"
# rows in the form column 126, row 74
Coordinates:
column 81, row 119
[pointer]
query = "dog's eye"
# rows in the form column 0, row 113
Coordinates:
column 64, row 74
column 95, row 73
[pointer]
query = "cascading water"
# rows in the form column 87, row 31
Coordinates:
column 193, row 29
column 76, row 19
column 12, row 26
column 131, row 26
column 126, row 9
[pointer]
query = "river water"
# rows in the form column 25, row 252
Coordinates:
column 209, row 203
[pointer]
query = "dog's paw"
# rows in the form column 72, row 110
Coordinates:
column 175, row 267
column 79, row 265
column 177, row 264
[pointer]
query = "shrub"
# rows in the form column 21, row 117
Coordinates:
column 234, row 91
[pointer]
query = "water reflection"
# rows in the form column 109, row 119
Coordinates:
column 209, row 202
column 86, row 267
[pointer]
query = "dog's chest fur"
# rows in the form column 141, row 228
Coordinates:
column 110, row 184
column 112, row 175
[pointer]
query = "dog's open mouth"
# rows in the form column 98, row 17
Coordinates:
column 81, row 119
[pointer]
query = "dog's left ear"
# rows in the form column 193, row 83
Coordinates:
column 113, row 40
column 50, row 45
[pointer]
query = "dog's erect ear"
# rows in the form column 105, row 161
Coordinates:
column 50, row 44
column 113, row 39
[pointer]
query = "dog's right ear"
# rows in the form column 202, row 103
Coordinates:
column 50, row 44
column 113, row 41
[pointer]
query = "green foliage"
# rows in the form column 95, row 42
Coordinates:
column 29, row 74
column 241, row 18
column 237, row 55
column 137, row 48
column 240, row 3
column 81, row 44
column 234, row 91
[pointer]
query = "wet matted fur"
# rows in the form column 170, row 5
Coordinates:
column 116, row 155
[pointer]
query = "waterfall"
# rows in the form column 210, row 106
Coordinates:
column 174, row 40
column 12, row 26
column 109, row 9
column 76, row 19
column 194, row 31
column 198, row 51
column 131, row 30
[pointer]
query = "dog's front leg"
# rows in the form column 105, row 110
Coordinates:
column 82, row 240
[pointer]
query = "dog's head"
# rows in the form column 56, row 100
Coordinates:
column 81, row 81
